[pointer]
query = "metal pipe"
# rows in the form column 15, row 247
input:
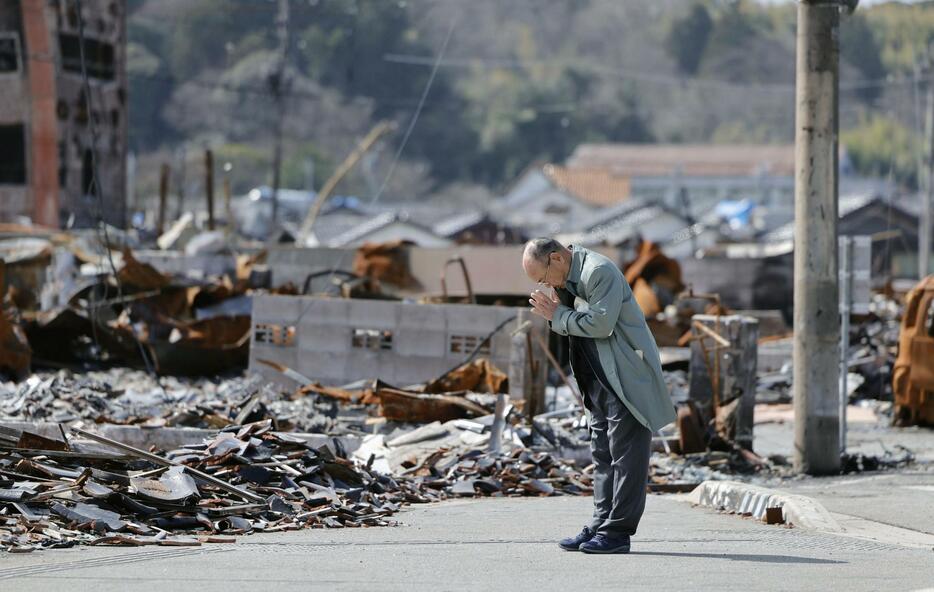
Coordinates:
column 212, row 480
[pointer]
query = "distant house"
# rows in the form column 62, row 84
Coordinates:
column 253, row 214
column 388, row 227
column 618, row 224
column 701, row 174
column 338, row 216
column 893, row 224
column 626, row 224
column 478, row 228
column 551, row 199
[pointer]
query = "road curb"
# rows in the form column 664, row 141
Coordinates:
column 742, row 498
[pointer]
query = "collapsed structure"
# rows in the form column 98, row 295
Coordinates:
column 368, row 388
column 48, row 163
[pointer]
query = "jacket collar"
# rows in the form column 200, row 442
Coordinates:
column 577, row 264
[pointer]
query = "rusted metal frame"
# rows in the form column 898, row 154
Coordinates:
column 713, row 297
column 444, row 284
column 170, row 463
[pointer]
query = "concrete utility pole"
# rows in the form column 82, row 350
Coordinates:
column 277, row 84
column 816, row 302
column 926, row 189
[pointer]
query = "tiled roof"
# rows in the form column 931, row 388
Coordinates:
column 598, row 186
column 453, row 225
column 364, row 228
column 700, row 160
column 372, row 225
column 846, row 205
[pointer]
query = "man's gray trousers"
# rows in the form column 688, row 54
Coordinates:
column 621, row 447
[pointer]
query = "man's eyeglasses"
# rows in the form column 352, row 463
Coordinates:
column 545, row 277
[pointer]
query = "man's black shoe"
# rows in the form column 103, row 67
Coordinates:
column 604, row 544
column 572, row 543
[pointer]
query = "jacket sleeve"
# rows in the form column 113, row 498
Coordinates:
column 605, row 291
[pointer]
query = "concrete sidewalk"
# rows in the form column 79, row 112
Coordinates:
column 506, row 544
column 902, row 498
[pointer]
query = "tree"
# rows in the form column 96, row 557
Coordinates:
column 860, row 48
column 344, row 45
column 149, row 91
column 687, row 38
column 881, row 145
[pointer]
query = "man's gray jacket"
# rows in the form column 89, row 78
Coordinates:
column 606, row 312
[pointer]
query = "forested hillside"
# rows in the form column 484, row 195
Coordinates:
column 519, row 81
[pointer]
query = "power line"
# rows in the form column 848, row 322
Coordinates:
column 95, row 178
column 398, row 155
column 417, row 113
column 521, row 64
column 212, row 84
column 101, row 224
column 510, row 63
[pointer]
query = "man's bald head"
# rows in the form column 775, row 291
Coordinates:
column 547, row 261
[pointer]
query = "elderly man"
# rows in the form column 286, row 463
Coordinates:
column 615, row 361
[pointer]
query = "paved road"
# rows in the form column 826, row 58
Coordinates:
column 503, row 544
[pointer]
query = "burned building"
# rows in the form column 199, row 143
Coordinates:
column 46, row 154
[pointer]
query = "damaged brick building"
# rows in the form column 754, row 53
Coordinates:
column 45, row 132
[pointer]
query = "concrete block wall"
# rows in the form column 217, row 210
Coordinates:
column 494, row 270
column 337, row 341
